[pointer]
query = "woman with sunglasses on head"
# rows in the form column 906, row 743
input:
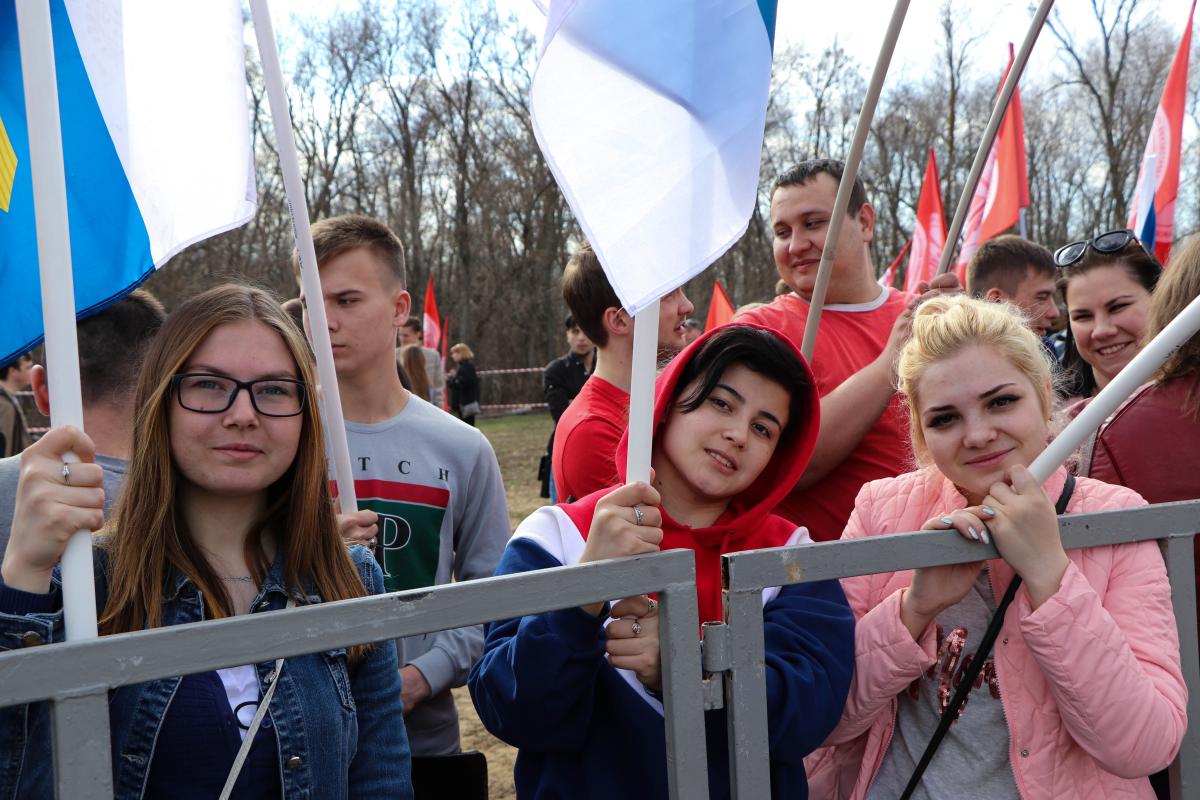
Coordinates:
column 231, row 515
column 1082, row 696
column 576, row 690
column 1106, row 284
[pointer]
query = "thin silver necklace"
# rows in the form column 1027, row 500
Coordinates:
column 237, row 578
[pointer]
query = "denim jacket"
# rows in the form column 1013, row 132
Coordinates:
column 340, row 732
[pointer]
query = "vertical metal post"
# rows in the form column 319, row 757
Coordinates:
column 1179, row 555
column 82, row 764
column 746, row 697
column 683, row 697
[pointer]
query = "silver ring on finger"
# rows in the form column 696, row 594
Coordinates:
column 637, row 628
column 66, row 473
column 638, row 516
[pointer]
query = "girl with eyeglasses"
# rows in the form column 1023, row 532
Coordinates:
column 227, row 512
column 1106, row 283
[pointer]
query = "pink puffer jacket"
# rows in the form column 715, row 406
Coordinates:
column 1090, row 681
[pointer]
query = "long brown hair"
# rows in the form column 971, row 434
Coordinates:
column 412, row 358
column 1178, row 287
column 147, row 537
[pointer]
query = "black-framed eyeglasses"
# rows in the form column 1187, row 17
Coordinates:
column 1108, row 242
column 206, row 393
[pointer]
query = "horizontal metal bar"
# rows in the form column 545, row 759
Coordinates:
column 111, row 661
column 781, row 566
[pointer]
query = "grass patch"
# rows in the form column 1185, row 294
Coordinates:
column 519, row 441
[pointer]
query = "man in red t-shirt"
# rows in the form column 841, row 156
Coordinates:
column 864, row 430
column 585, row 439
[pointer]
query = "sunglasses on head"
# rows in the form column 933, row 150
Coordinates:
column 1110, row 242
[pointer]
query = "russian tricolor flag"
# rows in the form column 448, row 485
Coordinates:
column 156, row 145
column 650, row 114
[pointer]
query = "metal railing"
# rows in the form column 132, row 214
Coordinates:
column 749, row 572
column 76, row 677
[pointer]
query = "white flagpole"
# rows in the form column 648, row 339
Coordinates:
column 58, row 287
column 849, row 175
column 1135, row 373
column 310, row 279
column 641, row 393
column 989, row 134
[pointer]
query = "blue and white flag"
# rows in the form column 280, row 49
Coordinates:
column 650, row 114
column 156, row 145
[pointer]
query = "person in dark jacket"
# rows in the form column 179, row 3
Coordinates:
column 465, row 382
column 736, row 418
column 561, row 381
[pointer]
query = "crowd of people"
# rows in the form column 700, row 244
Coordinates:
column 916, row 412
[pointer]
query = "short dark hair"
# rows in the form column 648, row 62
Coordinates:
column 806, row 171
column 1002, row 263
column 413, row 324
column 112, row 345
column 588, row 293
column 337, row 235
column 569, row 323
column 294, row 308
column 753, row 348
column 13, row 364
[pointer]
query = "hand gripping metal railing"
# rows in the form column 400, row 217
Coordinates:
column 76, row 677
column 748, row 573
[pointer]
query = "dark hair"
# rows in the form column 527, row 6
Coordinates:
column 1141, row 265
column 294, row 308
column 112, row 344
column 413, row 324
column 806, row 171
column 1003, row 262
column 14, row 363
column 753, row 348
column 1177, row 289
column 337, row 235
column 588, row 293
column 569, row 323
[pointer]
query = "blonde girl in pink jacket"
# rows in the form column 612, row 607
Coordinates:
column 1083, row 696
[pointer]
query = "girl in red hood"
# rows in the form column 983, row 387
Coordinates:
column 735, row 420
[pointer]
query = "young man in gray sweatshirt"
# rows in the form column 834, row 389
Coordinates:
column 432, row 480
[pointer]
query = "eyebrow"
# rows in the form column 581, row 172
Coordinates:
column 738, row 396
column 983, row 396
column 208, row 368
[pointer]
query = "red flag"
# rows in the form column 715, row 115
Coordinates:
column 720, row 310
column 1162, row 150
column 1003, row 188
column 888, row 278
column 929, row 234
column 431, row 326
column 445, row 337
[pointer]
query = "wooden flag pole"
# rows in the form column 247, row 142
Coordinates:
column 989, row 134
column 849, row 175
column 310, row 279
column 58, row 287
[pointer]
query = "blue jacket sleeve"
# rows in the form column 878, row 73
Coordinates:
column 809, row 636
column 535, row 685
column 382, row 765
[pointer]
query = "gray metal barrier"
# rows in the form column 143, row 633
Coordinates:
column 77, row 676
column 749, row 572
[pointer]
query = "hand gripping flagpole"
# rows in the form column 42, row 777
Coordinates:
column 310, row 279
column 849, row 174
column 989, row 134
column 1152, row 356
column 58, row 287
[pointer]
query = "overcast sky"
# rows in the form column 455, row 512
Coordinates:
column 859, row 25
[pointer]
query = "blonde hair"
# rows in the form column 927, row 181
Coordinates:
column 462, row 351
column 944, row 326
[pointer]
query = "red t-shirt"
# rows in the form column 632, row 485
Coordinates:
column 586, row 438
column 850, row 337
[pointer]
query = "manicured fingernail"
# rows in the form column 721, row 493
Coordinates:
column 987, row 511
column 974, row 533
column 947, row 521
column 986, row 539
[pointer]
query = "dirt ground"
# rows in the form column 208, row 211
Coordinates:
column 519, row 442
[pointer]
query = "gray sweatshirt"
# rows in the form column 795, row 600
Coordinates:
column 436, row 486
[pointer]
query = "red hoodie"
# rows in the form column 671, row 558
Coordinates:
column 748, row 523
